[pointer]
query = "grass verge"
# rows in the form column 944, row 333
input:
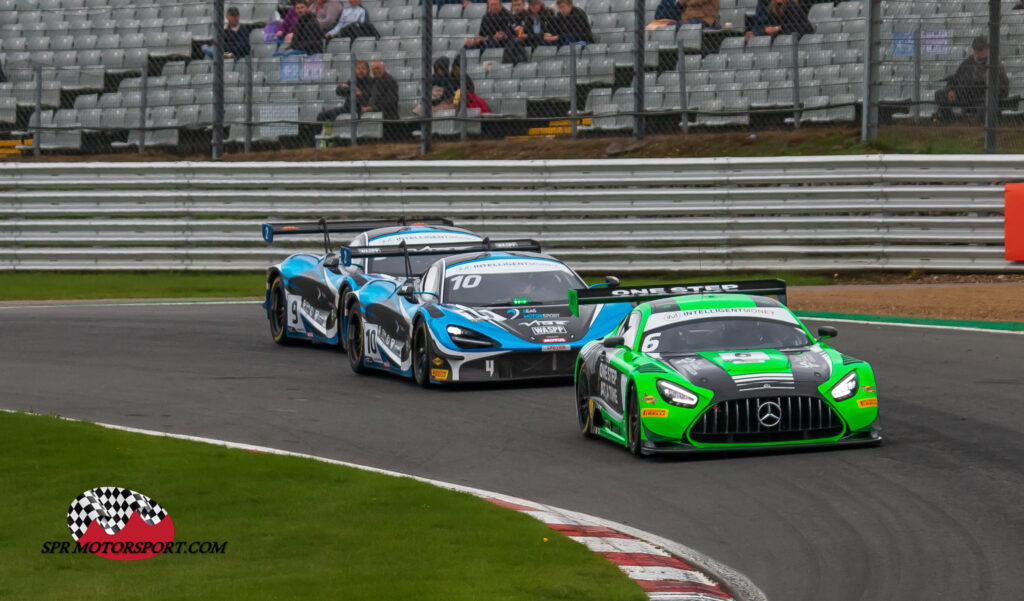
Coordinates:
column 49, row 285
column 295, row 528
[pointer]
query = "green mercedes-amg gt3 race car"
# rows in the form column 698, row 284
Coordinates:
column 718, row 366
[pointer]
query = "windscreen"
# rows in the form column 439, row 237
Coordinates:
column 396, row 265
column 723, row 334
column 509, row 282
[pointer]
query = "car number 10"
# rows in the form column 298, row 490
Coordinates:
column 465, row 281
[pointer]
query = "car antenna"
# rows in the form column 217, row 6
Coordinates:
column 327, row 236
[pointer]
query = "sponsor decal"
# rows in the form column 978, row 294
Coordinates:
column 547, row 340
column 313, row 314
column 865, row 403
column 608, row 378
column 545, row 330
column 439, row 374
column 867, row 388
column 522, row 265
column 541, row 316
column 774, row 313
column 438, row 361
column 755, row 357
column 654, row 413
column 698, row 289
column 122, row 524
column 554, row 347
column 648, row 398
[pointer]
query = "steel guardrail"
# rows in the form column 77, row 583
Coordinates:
column 873, row 212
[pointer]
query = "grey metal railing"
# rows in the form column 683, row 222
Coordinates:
column 942, row 213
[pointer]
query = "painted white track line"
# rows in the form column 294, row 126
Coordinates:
column 913, row 325
column 666, row 570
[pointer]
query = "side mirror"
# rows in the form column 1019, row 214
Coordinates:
column 611, row 280
column 331, row 261
column 827, row 332
column 407, row 289
column 613, row 341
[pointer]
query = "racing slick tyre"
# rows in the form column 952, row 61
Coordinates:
column 633, row 422
column 421, row 355
column 354, row 343
column 278, row 313
column 584, row 407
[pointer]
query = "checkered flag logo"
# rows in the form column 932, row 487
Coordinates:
column 113, row 507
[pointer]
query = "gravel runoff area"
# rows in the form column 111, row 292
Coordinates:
column 977, row 301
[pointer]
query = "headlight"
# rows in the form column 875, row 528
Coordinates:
column 466, row 338
column 676, row 395
column 846, row 387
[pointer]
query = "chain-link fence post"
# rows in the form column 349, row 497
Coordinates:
column 463, row 100
column 681, row 68
column 144, row 102
column 218, row 79
column 797, row 109
column 573, row 108
column 353, row 110
column 427, row 72
column 872, row 41
column 994, row 77
column 639, row 15
column 38, row 72
column 248, row 102
column 917, row 74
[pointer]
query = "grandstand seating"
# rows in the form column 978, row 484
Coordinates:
column 98, row 55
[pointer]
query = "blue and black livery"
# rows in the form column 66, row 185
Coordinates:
column 494, row 312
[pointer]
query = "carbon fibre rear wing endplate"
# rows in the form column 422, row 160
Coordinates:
column 323, row 226
column 638, row 294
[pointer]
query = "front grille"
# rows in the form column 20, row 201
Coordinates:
column 534, row 364
column 752, row 420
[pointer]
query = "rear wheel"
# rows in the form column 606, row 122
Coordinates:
column 584, row 406
column 421, row 355
column 633, row 422
column 278, row 312
column 354, row 343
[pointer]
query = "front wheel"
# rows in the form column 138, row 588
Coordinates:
column 278, row 312
column 633, row 419
column 584, row 406
column 421, row 355
column 354, row 343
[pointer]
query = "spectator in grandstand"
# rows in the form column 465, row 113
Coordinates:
column 284, row 32
column 327, row 13
column 383, row 92
column 780, row 17
column 353, row 23
column 364, row 90
column 236, row 38
column 495, row 28
column 306, row 36
column 531, row 25
column 967, row 87
column 441, row 87
column 688, row 12
column 456, row 77
column 570, row 26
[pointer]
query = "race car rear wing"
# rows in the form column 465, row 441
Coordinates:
column 447, row 248
column 638, row 294
column 322, row 226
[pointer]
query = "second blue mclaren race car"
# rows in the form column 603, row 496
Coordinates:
column 497, row 311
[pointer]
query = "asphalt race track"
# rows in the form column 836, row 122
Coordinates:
column 937, row 512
